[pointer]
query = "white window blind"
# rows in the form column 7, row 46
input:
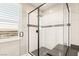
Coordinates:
column 9, row 13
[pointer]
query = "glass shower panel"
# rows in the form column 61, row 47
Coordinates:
column 52, row 30
column 65, row 21
column 33, row 32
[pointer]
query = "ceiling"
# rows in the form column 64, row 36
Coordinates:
column 35, row 4
column 44, row 7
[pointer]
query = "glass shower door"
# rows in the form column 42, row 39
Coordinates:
column 33, row 32
column 48, row 30
column 53, row 30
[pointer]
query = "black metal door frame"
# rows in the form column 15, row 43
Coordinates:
column 67, row 5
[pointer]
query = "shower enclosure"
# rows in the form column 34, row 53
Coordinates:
column 48, row 30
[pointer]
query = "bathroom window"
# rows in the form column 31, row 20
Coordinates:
column 9, row 20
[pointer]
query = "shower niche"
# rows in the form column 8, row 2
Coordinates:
column 49, row 30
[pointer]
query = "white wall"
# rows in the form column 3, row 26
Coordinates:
column 74, row 23
column 9, row 48
column 26, row 8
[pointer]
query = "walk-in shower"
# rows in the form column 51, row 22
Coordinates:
column 49, row 30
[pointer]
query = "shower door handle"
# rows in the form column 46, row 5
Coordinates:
column 36, row 31
column 21, row 34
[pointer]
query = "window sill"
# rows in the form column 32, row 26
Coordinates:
column 15, row 38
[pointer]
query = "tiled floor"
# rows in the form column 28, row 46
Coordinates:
column 43, row 51
column 59, row 50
